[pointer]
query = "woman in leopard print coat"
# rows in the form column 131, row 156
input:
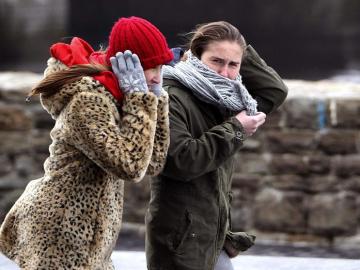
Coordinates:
column 70, row 218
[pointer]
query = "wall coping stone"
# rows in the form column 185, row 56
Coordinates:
column 324, row 89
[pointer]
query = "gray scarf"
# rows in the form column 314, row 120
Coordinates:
column 210, row 87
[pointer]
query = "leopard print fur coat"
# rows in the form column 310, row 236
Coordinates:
column 70, row 218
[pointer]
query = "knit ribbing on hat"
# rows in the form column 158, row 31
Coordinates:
column 142, row 38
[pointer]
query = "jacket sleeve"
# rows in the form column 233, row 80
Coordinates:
column 190, row 157
column 124, row 149
column 262, row 82
column 162, row 137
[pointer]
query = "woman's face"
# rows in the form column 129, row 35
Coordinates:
column 224, row 57
column 153, row 76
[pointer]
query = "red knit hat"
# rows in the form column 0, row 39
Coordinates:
column 141, row 37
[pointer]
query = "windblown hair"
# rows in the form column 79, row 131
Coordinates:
column 53, row 82
column 214, row 31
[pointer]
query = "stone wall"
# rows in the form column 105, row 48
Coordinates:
column 297, row 180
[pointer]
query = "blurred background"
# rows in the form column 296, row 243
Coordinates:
column 297, row 183
column 301, row 39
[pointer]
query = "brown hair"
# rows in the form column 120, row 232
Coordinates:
column 214, row 31
column 52, row 83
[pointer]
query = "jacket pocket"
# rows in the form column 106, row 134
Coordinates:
column 178, row 239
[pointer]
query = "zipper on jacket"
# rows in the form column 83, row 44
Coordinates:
column 218, row 223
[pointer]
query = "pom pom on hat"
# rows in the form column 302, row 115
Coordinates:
column 141, row 37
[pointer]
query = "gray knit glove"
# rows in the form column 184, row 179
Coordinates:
column 129, row 72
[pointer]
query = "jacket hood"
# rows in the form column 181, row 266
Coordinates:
column 54, row 104
column 80, row 52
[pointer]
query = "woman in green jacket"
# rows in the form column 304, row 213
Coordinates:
column 213, row 109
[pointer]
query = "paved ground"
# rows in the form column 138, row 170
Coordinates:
column 135, row 260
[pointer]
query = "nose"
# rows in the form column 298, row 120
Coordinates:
column 157, row 77
column 223, row 71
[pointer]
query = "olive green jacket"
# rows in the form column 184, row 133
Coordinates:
column 189, row 214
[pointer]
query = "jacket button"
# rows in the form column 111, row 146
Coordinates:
column 193, row 235
column 239, row 135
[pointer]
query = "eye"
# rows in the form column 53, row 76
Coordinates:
column 217, row 61
column 233, row 64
